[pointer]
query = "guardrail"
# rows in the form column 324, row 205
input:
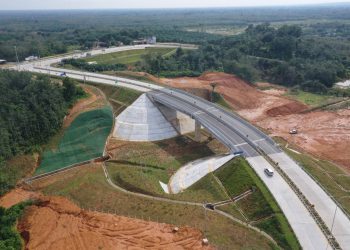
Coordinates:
column 37, row 177
column 323, row 188
column 314, row 214
column 258, row 131
column 331, row 239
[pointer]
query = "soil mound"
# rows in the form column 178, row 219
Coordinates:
column 56, row 223
column 286, row 109
column 16, row 196
column 324, row 134
column 236, row 91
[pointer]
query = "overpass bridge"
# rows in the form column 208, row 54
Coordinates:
column 258, row 148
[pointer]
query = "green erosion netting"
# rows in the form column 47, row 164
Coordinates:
column 83, row 140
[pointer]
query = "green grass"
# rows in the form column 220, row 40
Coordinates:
column 259, row 207
column 137, row 170
column 83, row 140
column 310, row 99
column 218, row 99
column 120, row 94
column 128, row 57
column 14, row 169
column 335, row 180
column 87, row 187
column 146, row 180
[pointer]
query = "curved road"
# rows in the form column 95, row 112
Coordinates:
column 238, row 135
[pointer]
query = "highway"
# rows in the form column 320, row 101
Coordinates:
column 239, row 135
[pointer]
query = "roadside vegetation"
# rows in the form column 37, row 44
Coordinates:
column 84, row 140
column 312, row 99
column 281, row 55
column 31, row 112
column 140, row 166
column 333, row 178
column 133, row 168
column 259, row 208
column 10, row 239
column 87, row 187
column 129, row 57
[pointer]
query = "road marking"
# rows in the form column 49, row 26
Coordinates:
column 213, row 109
column 199, row 112
column 262, row 139
column 241, row 144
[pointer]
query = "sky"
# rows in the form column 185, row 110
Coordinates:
column 126, row 4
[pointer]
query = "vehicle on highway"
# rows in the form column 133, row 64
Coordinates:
column 268, row 172
column 238, row 153
column 63, row 74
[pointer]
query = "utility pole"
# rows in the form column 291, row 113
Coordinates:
column 335, row 212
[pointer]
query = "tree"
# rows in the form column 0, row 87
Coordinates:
column 69, row 89
column 213, row 85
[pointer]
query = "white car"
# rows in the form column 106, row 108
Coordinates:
column 269, row 172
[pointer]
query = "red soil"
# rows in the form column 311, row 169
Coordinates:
column 16, row 196
column 325, row 134
column 56, row 223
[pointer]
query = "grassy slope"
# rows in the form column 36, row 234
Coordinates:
column 332, row 177
column 127, row 57
column 313, row 100
column 83, row 140
column 14, row 169
column 88, row 188
column 237, row 177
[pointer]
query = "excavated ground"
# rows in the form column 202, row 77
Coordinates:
column 56, row 223
column 321, row 133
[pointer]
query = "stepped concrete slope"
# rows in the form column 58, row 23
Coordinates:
column 182, row 123
column 142, row 121
column 192, row 172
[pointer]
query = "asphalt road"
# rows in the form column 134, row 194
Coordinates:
column 238, row 135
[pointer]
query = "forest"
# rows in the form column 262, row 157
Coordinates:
column 44, row 33
column 279, row 55
column 31, row 111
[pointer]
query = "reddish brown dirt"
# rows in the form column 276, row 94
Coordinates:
column 96, row 99
column 56, row 223
column 16, row 196
column 324, row 134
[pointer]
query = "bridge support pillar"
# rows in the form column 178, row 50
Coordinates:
column 197, row 131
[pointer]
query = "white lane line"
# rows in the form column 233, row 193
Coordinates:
column 241, row 144
column 199, row 112
column 213, row 109
column 262, row 139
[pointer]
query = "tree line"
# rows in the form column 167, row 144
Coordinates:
column 279, row 55
column 10, row 239
column 32, row 110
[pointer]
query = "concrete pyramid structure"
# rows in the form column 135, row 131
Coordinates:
column 143, row 121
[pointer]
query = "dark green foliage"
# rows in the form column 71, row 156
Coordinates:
column 273, row 226
column 81, row 64
column 10, row 239
column 284, row 56
column 69, row 89
column 32, row 109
